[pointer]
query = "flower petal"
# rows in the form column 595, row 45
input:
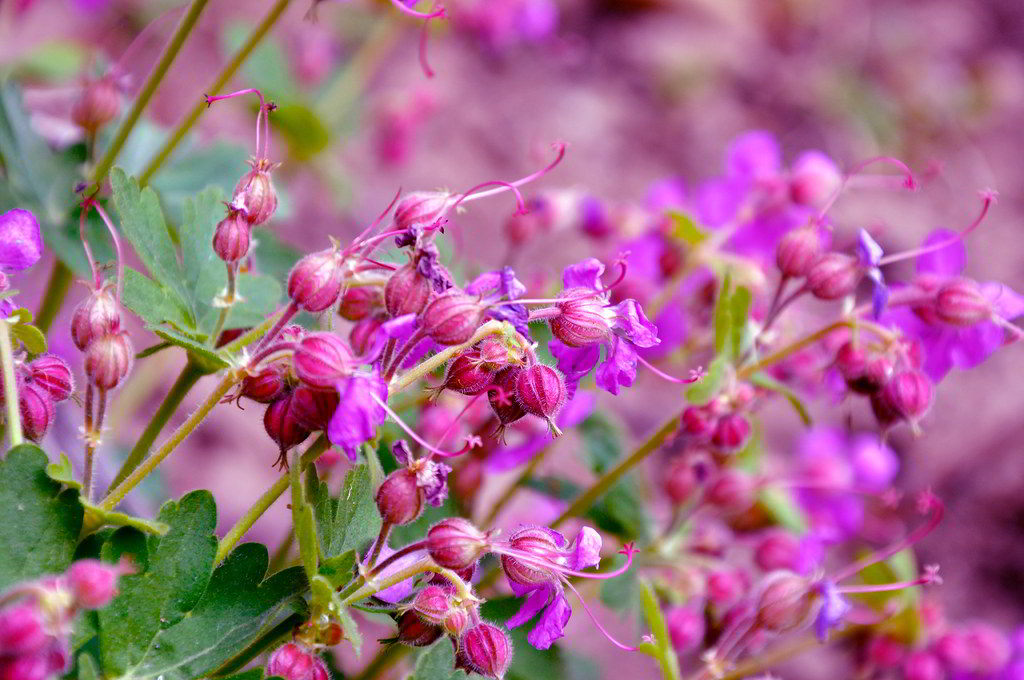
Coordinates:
column 21, row 241
column 586, row 274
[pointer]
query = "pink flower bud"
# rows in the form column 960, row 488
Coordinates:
column 455, row 622
column 906, row 397
column 777, row 550
column 407, row 291
column 52, row 374
column 885, row 652
column 99, row 104
column 358, row 302
column 541, row 391
column 486, row 649
column 813, row 180
column 96, row 316
column 785, row 604
column 231, row 238
column 960, row 302
column 922, row 665
column 731, row 432
column 37, row 411
column 254, row 195
column 399, row 499
column 421, row 208
column 21, row 630
column 988, row 650
column 725, row 587
column 466, row 374
column 432, row 604
column 833, row 276
column 494, row 355
column 93, row 583
column 698, row 421
column 363, row 334
column 108, row 360
column 313, row 408
column 281, row 424
column 732, row 491
column 952, row 649
column 267, row 385
column 686, row 628
column 538, row 543
column 31, row 667
column 502, row 396
column 293, row 662
column 455, row 543
column 864, row 372
column 681, row 480
column 798, row 250
column 415, row 632
column 452, row 317
column 322, row 359
column 314, row 284
column 582, row 320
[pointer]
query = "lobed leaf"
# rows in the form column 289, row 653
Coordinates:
column 349, row 521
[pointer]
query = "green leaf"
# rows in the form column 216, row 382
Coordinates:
column 436, row 662
column 721, row 315
column 340, row 569
column 215, row 166
column 350, row 629
column 205, row 274
column 302, row 521
column 153, row 303
column 602, row 441
column 260, row 295
column 661, row 646
column 349, row 521
column 31, row 337
column 305, row 133
column 685, row 228
column 43, row 521
column 780, row 506
column 63, row 472
column 201, row 355
column 620, row 512
column 739, row 312
column 56, row 61
column 143, row 224
column 703, row 391
column 87, row 669
column 621, row 593
column 254, row 674
column 179, row 618
column 762, row 379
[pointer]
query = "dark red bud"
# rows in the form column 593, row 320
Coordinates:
column 96, row 316
column 466, row 374
column 293, row 662
column 52, row 373
column 281, row 424
column 785, row 604
column 582, row 320
column 541, row 390
column 108, row 360
column 798, row 250
column 452, row 317
column 321, row 359
column 407, row 291
column 886, row 652
column 267, row 385
column 502, row 395
column 732, row 432
column 358, row 302
column 455, row 543
column 698, row 421
column 538, row 543
column 399, row 498
column 362, row 335
column 681, row 480
column 960, row 302
column 732, row 491
column 314, row 284
column 486, row 649
column 907, row 396
column 254, row 195
column 313, row 408
column 864, row 372
column 833, row 276
column 777, row 550
column 232, row 237
column 415, row 632
column 99, row 104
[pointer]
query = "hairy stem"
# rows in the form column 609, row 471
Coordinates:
column 428, row 366
column 255, row 334
column 10, row 388
column 187, row 379
column 264, row 502
column 236, row 61
column 57, row 287
column 117, row 494
column 188, row 22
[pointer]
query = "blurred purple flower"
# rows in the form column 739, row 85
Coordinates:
column 21, row 246
column 358, row 414
column 572, row 414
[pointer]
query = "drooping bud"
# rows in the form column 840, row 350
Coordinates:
column 52, row 373
column 99, row 104
column 415, row 632
column 698, row 421
column 885, row 652
column 833, row 276
column 486, row 649
column 681, row 480
column 467, row 374
column 541, row 391
column 322, row 359
column 93, row 583
column 785, row 603
column 281, row 424
column 864, row 372
column 21, row 630
column 732, row 491
column 432, row 604
column 358, row 302
column 906, row 396
column 362, row 335
column 313, row 408
column 31, row 667
column 267, row 385
column 582, row 320
column 798, row 250
column 314, row 284
column 456, row 621
column 731, row 432
column 108, row 360
column 399, row 499
column 407, row 291
column 686, row 628
column 455, row 543
column 232, row 237
column 293, row 662
column 452, row 317
column 502, row 396
column 494, row 354
column 254, row 195
column 960, row 302
column 777, row 550
column 538, row 543
column 422, row 208
column 96, row 316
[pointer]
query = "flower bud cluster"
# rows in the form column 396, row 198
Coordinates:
column 890, row 376
column 41, row 384
column 96, row 330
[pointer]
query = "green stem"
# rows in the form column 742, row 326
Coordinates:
column 427, row 367
column 184, row 430
column 776, row 656
column 56, row 290
column 599, row 487
column 253, row 335
column 264, row 502
column 218, row 84
column 229, row 302
column 10, row 387
column 424, row 565
column 187, row 379
column 185, row 27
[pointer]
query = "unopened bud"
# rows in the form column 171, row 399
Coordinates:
column 686, row 628
column 281, row 425
column 254, row 195
column 833, row 276
column 922, row 665
column 108, row 360
column 885, row 652
column 407, row 291
column 455, row 543
column 267, row 385
column 494, row 354
column 486, row 649
column 293, row 662
column 960, row 302
column 467, row 374
column 422, row 208
column 681, row 480
column 864, row 372
column 21, row 630
column 541, row 391
column 452, row 317
column 313, row 408
column 502, row 396
column 362, row 335
column 96, row 316
column 538, row 543
column 907, row 396
column 52, row 374
column 786, row 603
column 432, row 604
column 798, row 250
column 814, row 178
column 399, row 499
column 322, row 359
column 93, row 583
column 582, row 320
column 314, row 284
column 415, row 632
column 232, row 237
column 99, row 104
column 777, row 550
column 455, row 622
column 358, row 302
column 732, row 491
column 698, row 421
column 731, row 432
column 725, row 587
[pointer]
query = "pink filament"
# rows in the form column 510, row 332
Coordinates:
column 559, row 155
column 988, row 197
column 597, row 623
column 262, row 118
column 908, row 181
column 695, row 375
column 409, row 431
column 89, row 202
column 357, row 241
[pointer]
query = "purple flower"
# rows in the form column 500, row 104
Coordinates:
column 502, row 284
column 869, row 253
column 834, row 608
column 358, row 414
column 21, row 246
column 431, row 476
column 401, row 590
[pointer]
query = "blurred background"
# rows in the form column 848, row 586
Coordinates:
column 641, row 90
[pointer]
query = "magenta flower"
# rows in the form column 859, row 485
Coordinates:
column 359, row 412
column 21, row 246
column 431, row 476
column 502, row 284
